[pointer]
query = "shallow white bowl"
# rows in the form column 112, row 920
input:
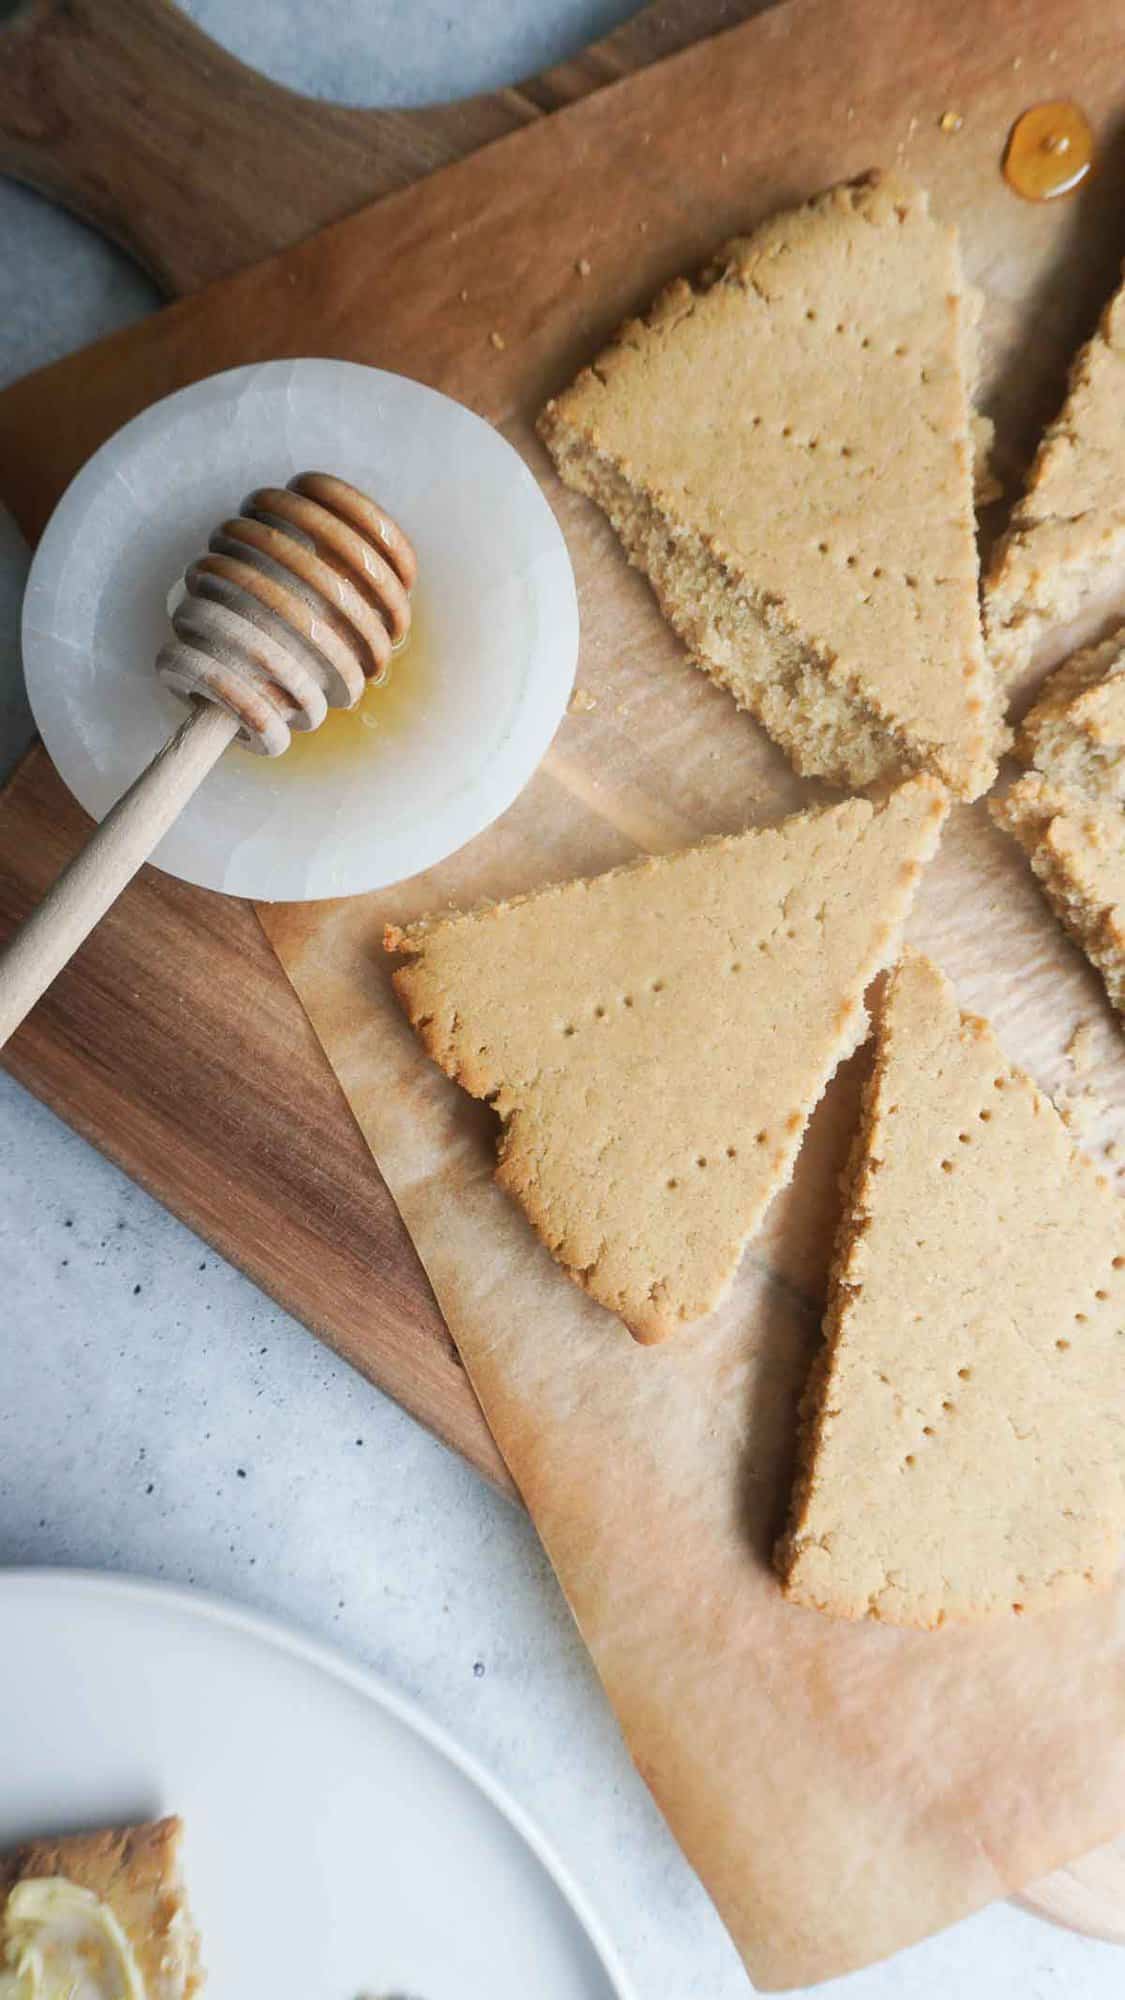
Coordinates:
column 493, row 659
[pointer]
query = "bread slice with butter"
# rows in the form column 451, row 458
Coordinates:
column 103, row 1913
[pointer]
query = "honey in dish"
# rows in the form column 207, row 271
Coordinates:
column 381, row 716
column 1050, row 151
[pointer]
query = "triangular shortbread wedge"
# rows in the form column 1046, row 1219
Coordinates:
column 1075, row 734
column 655, row 1039
column 128, row 1877
column 1064, row 552
column 787, row 451
column 1076, row 847
column 964, row 1430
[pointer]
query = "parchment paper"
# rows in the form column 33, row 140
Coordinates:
column 841, row 1790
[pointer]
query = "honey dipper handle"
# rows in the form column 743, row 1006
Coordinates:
column 111, row 857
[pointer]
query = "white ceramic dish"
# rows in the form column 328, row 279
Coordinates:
column 338, row 1844
column 493, row 661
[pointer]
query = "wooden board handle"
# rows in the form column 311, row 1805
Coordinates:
column 110, row 859
column 124, row 111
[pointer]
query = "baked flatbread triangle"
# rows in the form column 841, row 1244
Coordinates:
column 787, row 451
column 1067, row 813
column 1075, row 843
column 964, row 1428
column 1063, row 556
column 1075, row 733
column 655, row 1039
column 135, row 1870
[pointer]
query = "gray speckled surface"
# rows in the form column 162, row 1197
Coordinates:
column 159, row 1415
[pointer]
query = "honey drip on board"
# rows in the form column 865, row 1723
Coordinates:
column 350, row 737
column 1050, row 151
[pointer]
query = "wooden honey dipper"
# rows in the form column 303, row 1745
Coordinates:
column 298, row 603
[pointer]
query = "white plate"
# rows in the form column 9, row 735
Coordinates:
column 338, row 1844
column 493, row 658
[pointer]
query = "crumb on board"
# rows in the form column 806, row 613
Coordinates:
column 583, row 267
column 463, row 295
column 581, row 702
column 950, row 121
column 497, row 340
column 1112, row 1150
column 1080, row 1048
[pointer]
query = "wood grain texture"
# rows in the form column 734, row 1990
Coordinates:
column 190, row 1081
column 694, row 188
column 128, row 114
column 92, row 881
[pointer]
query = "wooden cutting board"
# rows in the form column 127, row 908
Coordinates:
column 125, row 1086
column 126, row 113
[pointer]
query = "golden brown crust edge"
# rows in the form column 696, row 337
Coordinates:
column 648, row 1327
column 854, row 1176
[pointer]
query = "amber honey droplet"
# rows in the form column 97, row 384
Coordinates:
column 369, row 732
column 1050, row 151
